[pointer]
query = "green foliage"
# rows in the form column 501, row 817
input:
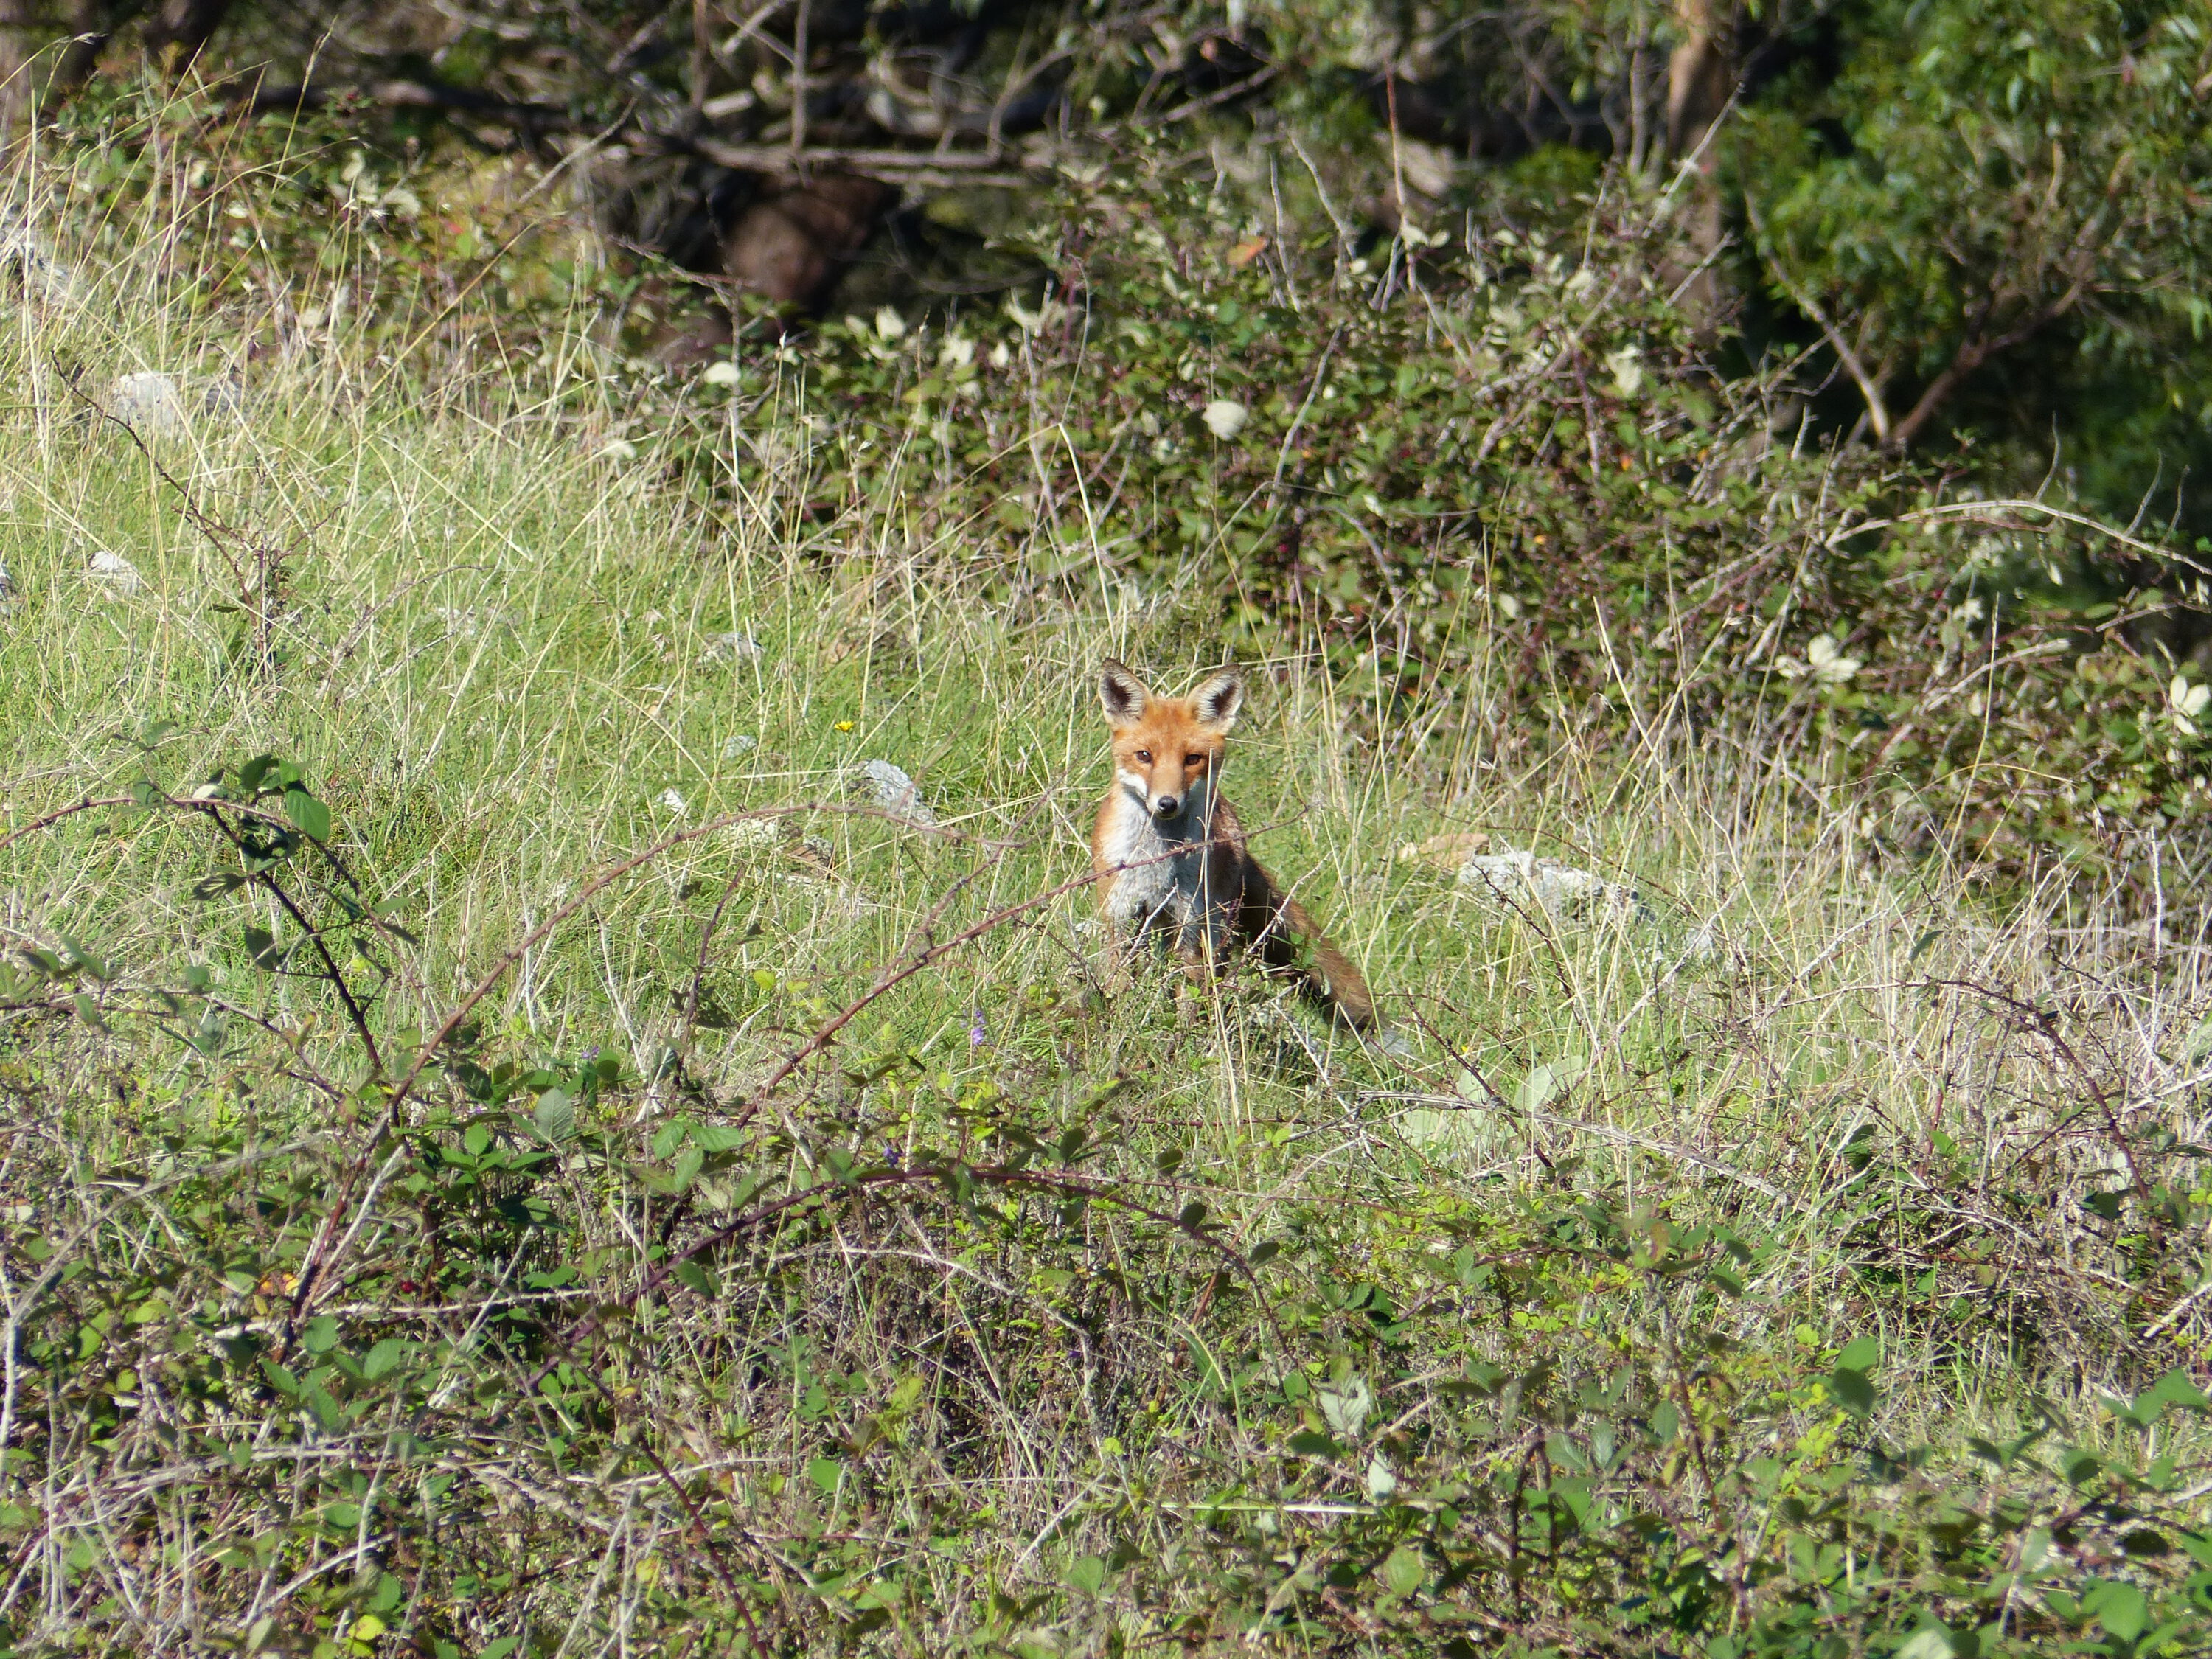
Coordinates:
column 1967, row 182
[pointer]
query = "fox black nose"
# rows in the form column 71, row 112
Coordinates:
column 1166, row 806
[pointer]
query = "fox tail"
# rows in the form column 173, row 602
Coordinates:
column 1293, row 939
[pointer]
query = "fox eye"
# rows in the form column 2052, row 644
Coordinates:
column 1144, row 757
column 1194, row 760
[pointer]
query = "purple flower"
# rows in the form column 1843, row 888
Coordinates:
column 977, row 1031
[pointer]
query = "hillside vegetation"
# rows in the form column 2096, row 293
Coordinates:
column 526, row 1136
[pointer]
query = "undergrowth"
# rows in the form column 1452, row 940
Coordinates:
column 518, row 1145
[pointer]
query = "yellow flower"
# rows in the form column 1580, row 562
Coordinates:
column 844, row 726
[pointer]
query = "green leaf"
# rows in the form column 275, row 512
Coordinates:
column 1539, row 1088
column 1928, row 1642
column 319, row 1335
column 1088, row 1575
column 1863, row 1355
column 90, row 962
column 383, row 1358
column 2174, row 1389
column 2119, row 1607
column 1404, row 1571
column 309, row 816
column 694, row 1279
column 827, row 1473
column 1345, row 1407
column 1853, row 1390
column 555, row 1116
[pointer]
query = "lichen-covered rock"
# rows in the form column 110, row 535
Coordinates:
column 898, row 793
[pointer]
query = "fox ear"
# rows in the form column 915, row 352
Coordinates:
column 1123, row 693
column 1216, row 703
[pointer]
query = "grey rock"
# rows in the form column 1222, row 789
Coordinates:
column 118, row 572
column 1511, row 879
column 729, row 647
column 898, row 793
column 27, row 255
column 150, row 403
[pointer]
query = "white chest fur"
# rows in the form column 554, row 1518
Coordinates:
column 1165, row 866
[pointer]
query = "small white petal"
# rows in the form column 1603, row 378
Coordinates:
column 890, row 325
column 1627, row 368
column 1224, row 417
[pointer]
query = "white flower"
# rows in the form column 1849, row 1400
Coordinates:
column 618, row 449
column 890, row 325
column 1627, row 366
column 1828, row 664
column 1047, row 313
column 2185, row 702
column 959, row 351
column 723, row 372
column 1001, row 357
column 1823, row 661
column 674, row 802
column 1224, row 417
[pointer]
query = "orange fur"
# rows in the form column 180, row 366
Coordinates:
column 1170, row 854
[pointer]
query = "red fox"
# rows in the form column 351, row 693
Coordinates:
column 1170, row 855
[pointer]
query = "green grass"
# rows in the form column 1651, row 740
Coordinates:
column 964, row 1368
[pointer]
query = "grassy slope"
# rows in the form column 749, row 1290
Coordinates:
column 497, row 664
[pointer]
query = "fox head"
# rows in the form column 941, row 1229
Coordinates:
column 1167, row 750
